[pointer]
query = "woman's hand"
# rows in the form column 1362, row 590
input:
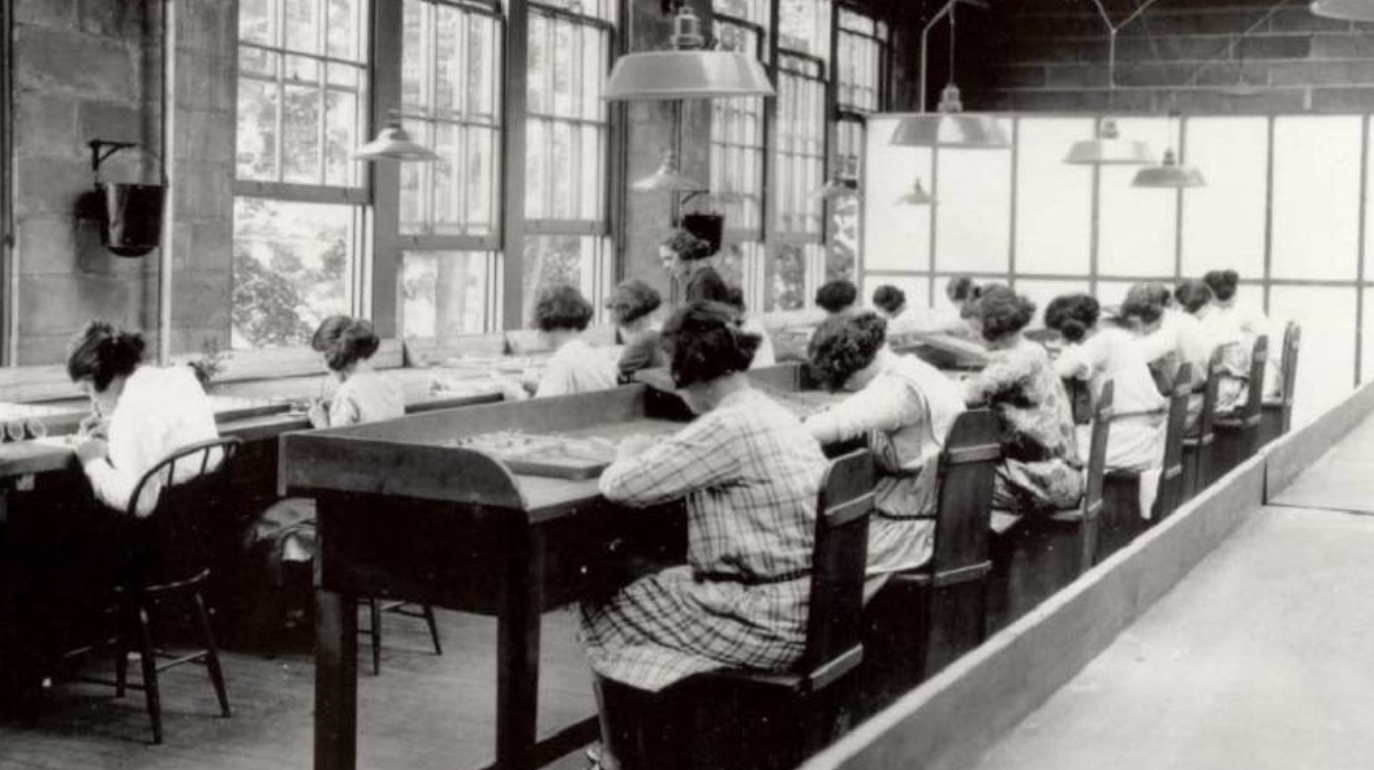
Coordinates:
column 318, row 414
column 92, row 449
column 510, row 389
column 93, row 426
column 632, row 446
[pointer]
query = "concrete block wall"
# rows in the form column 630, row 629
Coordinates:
column 83, row 69
column 88, row 69
column 1052, row 55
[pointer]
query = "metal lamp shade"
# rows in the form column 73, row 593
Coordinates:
column 394, row 143
column 918, row 196
column 1345, row 10
column 1169, row 175
column 1109, row 149
column 667, row 179
column 952, row 130
column 687, row 75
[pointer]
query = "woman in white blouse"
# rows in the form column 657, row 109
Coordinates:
column 143, row 414
column 364, row 395
column 905, row 408
column 1169, row 338
column 562, row 315
column 1098, row 354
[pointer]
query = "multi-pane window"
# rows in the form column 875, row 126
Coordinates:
column 298, row 210
column 861, row 62
column 800, row 152
column 804, row 26
column 451, row 102
column 452, row 51
column 566, row 147
column 302, row 90
column 737, row 139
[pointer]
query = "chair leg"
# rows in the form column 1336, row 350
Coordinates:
column 207, row 638
column 121, row 656
column 433, row 629
column 375, row 608
column 148, row 661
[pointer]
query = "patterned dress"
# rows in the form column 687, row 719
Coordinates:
column 750, row 474
column 906, row 413
column 1040, row 471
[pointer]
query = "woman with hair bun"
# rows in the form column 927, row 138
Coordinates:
column 1228, row 323
column 1040, row 470
column 905, row 408
column 749, row 473
column 364, row 395
column 632, row 304
column 562, row 314
column 687, row 259
column 1169, row 338
column 1098, row 355
column 142, row 413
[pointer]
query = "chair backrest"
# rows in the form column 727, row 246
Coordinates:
column 1080, row 400
column 840, row 559
column 173, row 541
column 1216, row 369
column 963, row 516
column 1292, row 339
column 1254, row 401
column 1171, row 477
column 1096, row 470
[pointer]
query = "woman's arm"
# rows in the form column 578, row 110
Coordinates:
column 878, row 407
column 701, row 455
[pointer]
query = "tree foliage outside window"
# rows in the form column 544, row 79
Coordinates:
column 291, row 269
column 444, row 293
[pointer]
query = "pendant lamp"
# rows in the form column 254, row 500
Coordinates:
column 917, row 196
column 1169, row 175
column 1109, row 149
column 1345, row 10
column 667, row 178
column 841, row 185
column 688, row 71
column 394, row 143
column 949, row 126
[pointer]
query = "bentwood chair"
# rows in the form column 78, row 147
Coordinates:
column 169, row 565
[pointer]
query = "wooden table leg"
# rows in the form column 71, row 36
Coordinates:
column 336, row 680
column 517, row 637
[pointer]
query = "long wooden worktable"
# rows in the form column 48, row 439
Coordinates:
column 404, row 513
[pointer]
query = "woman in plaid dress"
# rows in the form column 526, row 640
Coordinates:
column 750, row 474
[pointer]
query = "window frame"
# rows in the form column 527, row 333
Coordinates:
column 8, row 342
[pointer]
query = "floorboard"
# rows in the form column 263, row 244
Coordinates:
column 424, row 712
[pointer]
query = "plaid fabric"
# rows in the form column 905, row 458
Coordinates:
column 750, row 474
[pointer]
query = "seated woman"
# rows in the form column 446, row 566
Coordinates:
column 962, row 292
column 1195, row 298
column 1169, row 338
column 631, row 304
column 142, row 414
column 687, row 259
column 1099, row 354
column 836, row 297
column 765, row 355
column 904, row 408
column 285, row 532
column 750, row 474
column 1227, row 320
column 1040, row 471
column 562, row 315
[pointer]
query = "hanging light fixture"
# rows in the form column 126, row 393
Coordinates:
column 949, row 126
column 688, row 71
column 667, row 178
column 1109, row 149
column 916, row 196
column 394, row 143
column 1170, row 174
column 1345, row 10
column 841, row 185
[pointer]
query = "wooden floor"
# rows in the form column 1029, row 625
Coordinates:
column 424, row 711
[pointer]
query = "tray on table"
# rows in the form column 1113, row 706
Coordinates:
column 551, row 455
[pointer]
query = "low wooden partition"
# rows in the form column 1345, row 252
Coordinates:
column 949, row 721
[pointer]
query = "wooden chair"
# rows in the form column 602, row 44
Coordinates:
column 375, row 609
column 1237, row 436
column 1277, row 414
column 742, row 718
column 1122, row 521
column 1197, row 447
column 1038, row 557
column 923, row 619
column 169, row 562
